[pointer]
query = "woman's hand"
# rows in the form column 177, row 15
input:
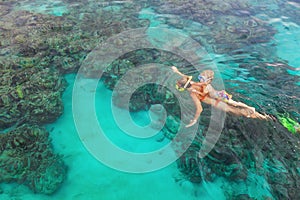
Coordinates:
column 174, row 69
column 192, row 122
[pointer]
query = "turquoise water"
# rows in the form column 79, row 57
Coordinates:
column 253, row 47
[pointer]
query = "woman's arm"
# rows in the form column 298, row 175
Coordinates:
column 199, row 83
column 211, row 91
column 199, row 110
column 174, row 69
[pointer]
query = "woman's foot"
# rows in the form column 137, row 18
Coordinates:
column 251, row 111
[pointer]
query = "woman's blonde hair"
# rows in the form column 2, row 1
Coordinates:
column 208, row 74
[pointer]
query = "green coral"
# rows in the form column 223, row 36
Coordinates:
column 19, row 91
column 290, row 124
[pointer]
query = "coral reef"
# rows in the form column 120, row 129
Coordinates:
column 36, row 49
column 275, row 86
column 30, row 95
column 31, row 39
column 247, row 146
column 224, row 27
column 26, row 157
column 146, row 95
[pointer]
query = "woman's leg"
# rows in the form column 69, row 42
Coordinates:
column 234, row 110
column 240, row 104
column 220, row 105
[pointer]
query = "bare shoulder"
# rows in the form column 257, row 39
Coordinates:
column 210, row 88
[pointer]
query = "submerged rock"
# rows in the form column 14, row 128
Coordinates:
column 26, row 157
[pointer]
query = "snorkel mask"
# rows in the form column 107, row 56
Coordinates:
column 203, row 79
column 181, row 89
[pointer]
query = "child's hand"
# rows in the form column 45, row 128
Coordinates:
column 174, row 69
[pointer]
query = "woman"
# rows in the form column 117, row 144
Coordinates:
column 203, row 92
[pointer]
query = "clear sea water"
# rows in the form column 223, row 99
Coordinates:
column 87, row 178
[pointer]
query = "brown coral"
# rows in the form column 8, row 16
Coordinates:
column 26, row 157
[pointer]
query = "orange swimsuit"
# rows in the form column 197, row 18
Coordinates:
column 200, row 89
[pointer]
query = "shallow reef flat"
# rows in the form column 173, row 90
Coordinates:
column 41, row 42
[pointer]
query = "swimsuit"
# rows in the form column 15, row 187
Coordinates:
column 223, row 96
column 200, row 90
